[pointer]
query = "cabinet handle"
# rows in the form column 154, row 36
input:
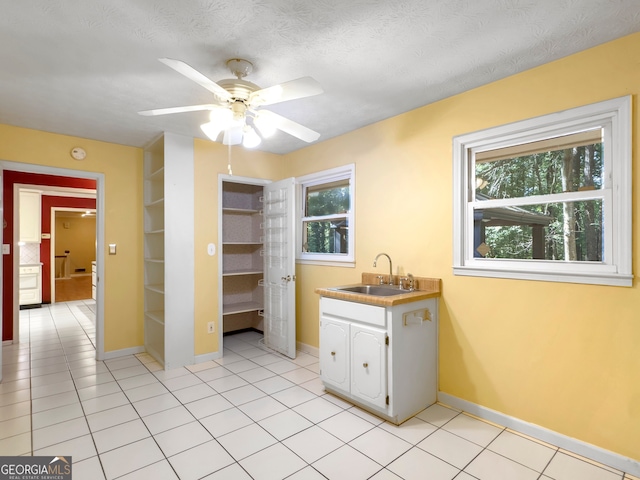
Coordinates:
column 333, row 354
column 365, row 365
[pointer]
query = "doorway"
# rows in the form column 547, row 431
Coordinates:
column 58, row 179
column 73, row 254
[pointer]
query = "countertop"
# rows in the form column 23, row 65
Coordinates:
column 425, row 288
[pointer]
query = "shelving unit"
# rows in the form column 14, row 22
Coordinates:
column 168, row 259
column 154, row 249
column 242, row 255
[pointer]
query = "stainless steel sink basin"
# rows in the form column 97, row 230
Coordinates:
column 376, row 290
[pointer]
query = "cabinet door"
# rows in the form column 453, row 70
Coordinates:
column 334, row 353
column 29, row 214
column 369, row 364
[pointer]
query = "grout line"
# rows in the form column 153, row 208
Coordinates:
column 67, row 340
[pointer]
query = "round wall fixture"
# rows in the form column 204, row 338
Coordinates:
column 78, row 153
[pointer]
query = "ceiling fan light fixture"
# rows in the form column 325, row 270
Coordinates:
column 250, row 139
column 221, row 115
column 266, row 128
column 232, row 136
column 211, row 130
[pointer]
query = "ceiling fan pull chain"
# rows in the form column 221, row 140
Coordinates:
column 229, row 160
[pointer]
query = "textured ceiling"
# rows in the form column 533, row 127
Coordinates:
column 85, row 67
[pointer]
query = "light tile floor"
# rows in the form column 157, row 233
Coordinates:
column 251, row 414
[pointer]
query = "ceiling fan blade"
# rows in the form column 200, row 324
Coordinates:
column 289, row 126
column 292, row 90
column 166, row 111
column 197, row 77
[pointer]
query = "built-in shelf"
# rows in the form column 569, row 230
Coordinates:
column 168, row 259
column 242, row 272
column 158, row 288
column 242, row 260
column 156, row 316
column 242, row 243
column 242, row 211
column 157, row 175
column 242, row 308
column 155, row 204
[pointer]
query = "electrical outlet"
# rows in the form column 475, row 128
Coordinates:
column 211, row 327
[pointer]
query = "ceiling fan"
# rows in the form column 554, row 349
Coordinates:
column 238, row 100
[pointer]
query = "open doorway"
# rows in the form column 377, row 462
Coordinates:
column 58, row 187
column 73, row 252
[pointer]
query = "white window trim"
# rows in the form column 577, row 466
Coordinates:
column 312, row 179
column 617, row 268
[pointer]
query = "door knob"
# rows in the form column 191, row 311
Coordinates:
column 287, row 278
column 365, row 365
column 333, row 354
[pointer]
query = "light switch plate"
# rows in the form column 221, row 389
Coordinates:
column 6, row 248
column 112, row 249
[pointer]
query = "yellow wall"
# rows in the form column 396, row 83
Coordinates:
column 122, row 169
column 562, row 356
column 79, row 238
column 211, row 159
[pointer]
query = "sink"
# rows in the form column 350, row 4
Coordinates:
column 376, row 290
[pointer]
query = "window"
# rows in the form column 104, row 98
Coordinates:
column 326, row 216
column 547, row 198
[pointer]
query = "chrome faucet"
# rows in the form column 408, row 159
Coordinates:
column 390, row 266
column 411, row 282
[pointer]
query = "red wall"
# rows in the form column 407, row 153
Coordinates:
column 11, row 178
column 45, row 246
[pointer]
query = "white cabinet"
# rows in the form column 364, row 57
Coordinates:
column 30, row 216
column 30, row 280
column 169, row 250
column 380, row 358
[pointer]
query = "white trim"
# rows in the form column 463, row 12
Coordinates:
column 206, row 357
column 571, row 444
column 304, row 348
column 100, row 232
column 223, row 177
column 615, row 117
column 318, row 178
column 326, row 263
column 123, row 352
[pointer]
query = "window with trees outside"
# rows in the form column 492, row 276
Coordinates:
column 326, row 216
column 547, row 198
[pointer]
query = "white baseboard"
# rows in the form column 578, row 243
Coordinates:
column 304, row 348
column 205, row 357
column 574, row 445
column 122, row 353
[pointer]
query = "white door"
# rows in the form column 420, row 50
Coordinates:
column 369, row 364
column 280, row 267
column 334, row 354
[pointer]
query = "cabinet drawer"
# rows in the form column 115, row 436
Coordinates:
column 29, row 270
column 369, row 314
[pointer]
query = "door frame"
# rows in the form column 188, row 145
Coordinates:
column 100, row 241
column 223, row 177
column 52, row 253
